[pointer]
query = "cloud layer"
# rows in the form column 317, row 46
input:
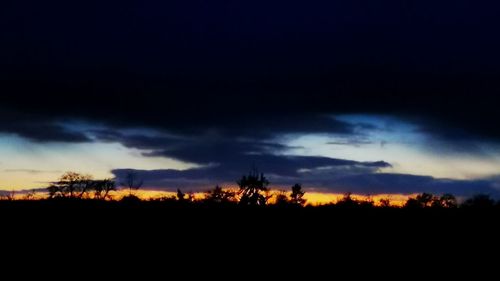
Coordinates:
column 185, row 65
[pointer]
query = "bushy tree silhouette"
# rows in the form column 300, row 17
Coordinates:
column 445, row 201
column 420, row 201
column 426, row 200
column 219, row 196
column 252, row 187
column 102, row 188
column 367, row 203
column 181, row 197
column 347, row 201
column 71, row 185
column 297, row 195
column 282, row 198
column 384, row 202
column 75, row 185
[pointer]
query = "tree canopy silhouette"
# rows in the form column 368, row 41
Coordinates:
column 282, row 198
column 420, row 201
column 75, row 185
column 347, row 201
column 445, row 201
column 252, row 187
column 297, row 196
column 220, row 196
column 102, row 188
column 181, row 197
column 71, row 185
column 426, row 200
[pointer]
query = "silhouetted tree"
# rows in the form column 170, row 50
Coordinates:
column 251, row 188
column 412, row 203
column 102, row 188
column 297, row 196
column 30, row 195
column 347, row 201
column 445, row 201
column 384, row 202
column 421, row 201
column 131, row 182
column 425, row 199
column 71, row 185
column 181, row 197
column 367, row 203
column 9, row 196
column 281, row 198
column 218, row 195
column 480, row 201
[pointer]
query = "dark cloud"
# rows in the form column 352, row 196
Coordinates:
column 280, row 169
column 340, row 179
column 229, row 154
column 251, row 125
column 377, row 183
column 38, row 128
column 45, row 132
column 236, row 67
column 224, row 161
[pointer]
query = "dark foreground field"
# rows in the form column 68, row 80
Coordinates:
column 227, row 239
column 155, row 219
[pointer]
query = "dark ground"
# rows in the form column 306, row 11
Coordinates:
column 194, row 221
column 178, row 239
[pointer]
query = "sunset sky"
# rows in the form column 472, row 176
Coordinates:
column 369, row 97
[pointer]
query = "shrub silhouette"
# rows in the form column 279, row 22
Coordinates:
column 181, row 197
column 297, row 196
column 384, row 203
column 445, row 201
column 421, row 201
column 102, row 188
column 282, row 198
column 220, row 196
column 251, row 188
column 131, row 199
column 347, row 201
column 426, row 200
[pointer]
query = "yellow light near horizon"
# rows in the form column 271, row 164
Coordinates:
column 313, row 198
column 318, row 198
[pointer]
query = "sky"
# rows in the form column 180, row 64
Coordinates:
column 369, row 97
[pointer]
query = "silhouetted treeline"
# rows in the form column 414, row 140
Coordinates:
column 253, row 192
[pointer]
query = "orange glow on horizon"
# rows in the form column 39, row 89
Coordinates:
column 313, row 198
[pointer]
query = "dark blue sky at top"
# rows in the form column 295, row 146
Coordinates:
column 248, row 71
column 401, row 57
